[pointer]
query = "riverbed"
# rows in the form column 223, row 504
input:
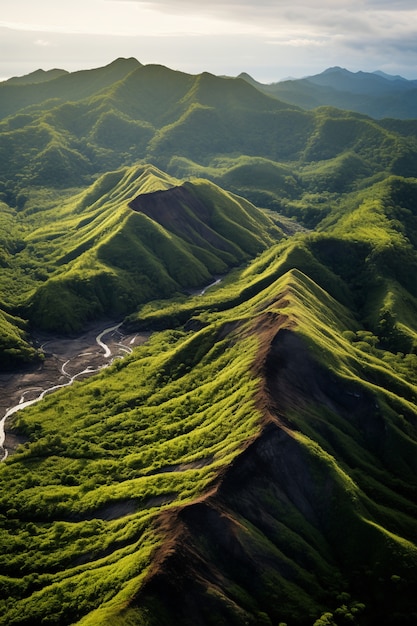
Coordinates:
column 66, row 360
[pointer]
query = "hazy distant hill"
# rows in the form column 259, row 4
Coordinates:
column 39, row 76
column 376, row 94
column 341, row 79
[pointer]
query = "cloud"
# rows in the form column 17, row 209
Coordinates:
column 237, row 10
column 269, row 39
column 301, row 20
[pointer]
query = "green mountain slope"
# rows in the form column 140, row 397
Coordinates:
column 306, row 521
column 133, row 112
column 278, row 156
column 135, row 235
column 15, row 347
column 68, row 87
column 39, row 76
column 260, row 469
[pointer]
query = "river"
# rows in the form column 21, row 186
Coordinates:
column 65, row 361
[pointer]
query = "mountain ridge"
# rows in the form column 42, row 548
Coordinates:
column 375, row 94
column 267, row 505
column 38, row 76
column 70, row 86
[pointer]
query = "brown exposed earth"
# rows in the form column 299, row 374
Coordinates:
column 267, row 516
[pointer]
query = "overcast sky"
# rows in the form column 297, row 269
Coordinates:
column 269, row 39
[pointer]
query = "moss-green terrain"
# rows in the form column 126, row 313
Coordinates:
column 254, row 461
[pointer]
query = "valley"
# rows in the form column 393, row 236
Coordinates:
column 229, row 281
column 64, row 360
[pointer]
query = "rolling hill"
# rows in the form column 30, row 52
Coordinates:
column 254, row 461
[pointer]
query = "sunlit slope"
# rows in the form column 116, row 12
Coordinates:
column 318, row 513
column 14, row 346
column 371, row 242
column 255, row 461
column 363, row 254
column 257, row 469
column 135, row 235
column 152, row 431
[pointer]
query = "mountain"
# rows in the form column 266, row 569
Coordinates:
column 341, row 79
column 69, row 86
column 134, row 235
column 39, row 76
column 257, row 465
column 375, row 94
column 168, row 118
column 223, row 130
column 253, row 461
column 388, row 76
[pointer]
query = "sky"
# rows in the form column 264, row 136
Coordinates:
column 269, row 39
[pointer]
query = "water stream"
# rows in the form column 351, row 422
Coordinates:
column 107, row 357
column 107, row 354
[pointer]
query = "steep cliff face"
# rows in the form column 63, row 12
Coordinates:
column 294, row 528
column 204, row 216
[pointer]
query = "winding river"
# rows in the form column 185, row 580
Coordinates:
column 99, row 353
column 65, row 361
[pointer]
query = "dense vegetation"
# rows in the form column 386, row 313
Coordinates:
column 254, row 462
column 65, row 142
column 110, row 247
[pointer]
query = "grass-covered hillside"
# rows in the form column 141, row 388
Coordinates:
column 254, row 461
column 134, row 235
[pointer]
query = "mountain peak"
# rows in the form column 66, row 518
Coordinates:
column 38, row 76
column 389, row 76
column 245, row 76
column 125, row 61
column 368, row 83
column 335, row 68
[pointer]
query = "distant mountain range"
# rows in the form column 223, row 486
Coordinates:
column 376, row 94
column 39, row 76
